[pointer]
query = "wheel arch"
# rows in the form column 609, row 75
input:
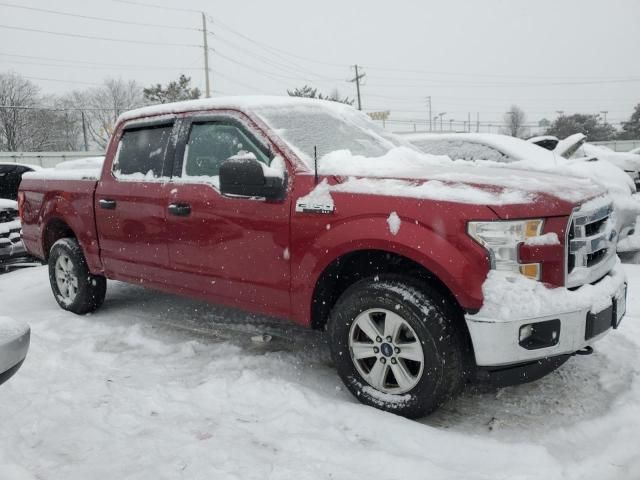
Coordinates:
column 355, row 265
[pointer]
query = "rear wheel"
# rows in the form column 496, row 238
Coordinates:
column 74, row 287
column 396, row 345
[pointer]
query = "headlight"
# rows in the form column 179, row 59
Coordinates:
column 501, row 239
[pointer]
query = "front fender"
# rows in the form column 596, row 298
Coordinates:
column 456, row 260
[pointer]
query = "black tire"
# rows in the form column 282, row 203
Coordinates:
column 91, row 289
column 430, row 316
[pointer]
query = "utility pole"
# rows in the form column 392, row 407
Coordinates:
column 206, row 56
column 357, row 79
column 604, row 112
column 451, row 124
column 469, row 120
column 441, row 114
column 430, row 124
column 477, row 122
column 84, row 132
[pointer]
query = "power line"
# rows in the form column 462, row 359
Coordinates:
column 101, row 19
column 127, row 67
column 472, row 74
column 293, row 68
column 162, row 7
column 61, row 81
column 92, row 37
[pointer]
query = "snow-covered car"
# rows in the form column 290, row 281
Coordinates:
column 635, row 150
column 576, row 146
column 502, row 151
column 14, row 344
column 12, row 251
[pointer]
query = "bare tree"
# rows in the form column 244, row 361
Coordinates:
column 104, row 104
column 514, row 120
column 15, row 123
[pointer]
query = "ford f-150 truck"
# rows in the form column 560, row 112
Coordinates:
column 426, row 275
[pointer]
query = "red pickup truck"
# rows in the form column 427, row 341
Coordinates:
column 426, row 275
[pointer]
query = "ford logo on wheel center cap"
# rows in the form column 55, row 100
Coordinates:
column 387, row 350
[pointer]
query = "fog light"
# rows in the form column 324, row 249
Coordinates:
column 533, row 336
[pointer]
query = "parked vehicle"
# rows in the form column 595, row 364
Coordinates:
column 12, row 251
column 635, row 151
column 425, row 274
column 500, row 150
column 14, row 345
column 627, row 161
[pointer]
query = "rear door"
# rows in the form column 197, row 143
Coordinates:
column 131, row 204
column 232, row 250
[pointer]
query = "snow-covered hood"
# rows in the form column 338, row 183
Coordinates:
column 407, row 173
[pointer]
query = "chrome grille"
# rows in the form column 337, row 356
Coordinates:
column 591, row 243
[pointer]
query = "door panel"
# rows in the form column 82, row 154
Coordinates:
column 233, row 250
column 131, row 205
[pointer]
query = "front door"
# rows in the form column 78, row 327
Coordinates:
column 131, row 205
column 231, row 249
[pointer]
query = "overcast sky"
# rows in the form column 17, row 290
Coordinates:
column 469, row 56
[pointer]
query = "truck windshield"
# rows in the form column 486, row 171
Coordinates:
column 330, row 129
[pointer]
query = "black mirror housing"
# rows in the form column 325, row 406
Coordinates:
column 245, row 177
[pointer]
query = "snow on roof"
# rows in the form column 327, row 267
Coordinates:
column 246, row 102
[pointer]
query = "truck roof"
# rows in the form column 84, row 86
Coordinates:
column 245, row 102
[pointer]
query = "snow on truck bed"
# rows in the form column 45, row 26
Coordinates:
column 81, row 169
column 154, row 386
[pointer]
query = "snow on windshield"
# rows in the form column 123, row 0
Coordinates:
column 327, row 128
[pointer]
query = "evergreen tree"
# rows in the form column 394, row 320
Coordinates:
column 310, row 92
column 590, row 125
column 631, row 129
column 174, row 91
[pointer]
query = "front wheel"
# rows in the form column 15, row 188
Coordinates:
column 73, row 286
column 396, row 345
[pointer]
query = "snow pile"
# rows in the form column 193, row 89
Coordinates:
column 433, row 190
column 394, row 223
column 550, row 238
column 89, row 163
column 508, row 296
column 447, row 180
column 155, row 386
column 88, row 168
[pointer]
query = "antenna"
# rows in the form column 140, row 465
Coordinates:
column 315, row 163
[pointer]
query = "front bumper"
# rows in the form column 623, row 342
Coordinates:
column 14, row 345
column 498, row 341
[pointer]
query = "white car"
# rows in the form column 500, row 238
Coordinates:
column 635, row 150
column 503, row 150
column 15, row 337
column 627, row 161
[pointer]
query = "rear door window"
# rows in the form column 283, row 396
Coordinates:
column 142, row 153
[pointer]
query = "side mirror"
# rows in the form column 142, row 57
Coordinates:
column 245, row 176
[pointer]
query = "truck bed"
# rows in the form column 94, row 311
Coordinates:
column 47, row 199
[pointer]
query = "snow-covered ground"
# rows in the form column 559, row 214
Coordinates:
column 153, row 386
